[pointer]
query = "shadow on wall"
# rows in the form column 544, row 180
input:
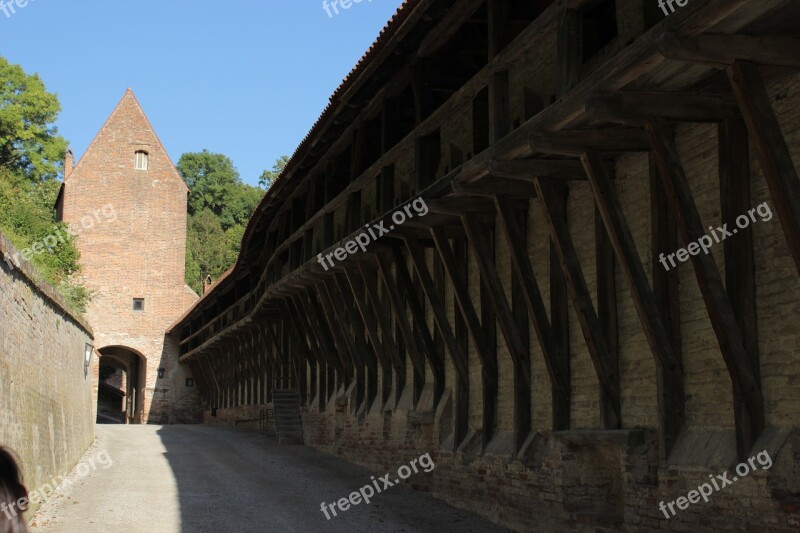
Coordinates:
column 175, row 398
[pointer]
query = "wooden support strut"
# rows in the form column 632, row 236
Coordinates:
column 557, row 366
column 740, row 273
column 671, row 392
column 488, row 358
column 465, row 304
column 497, row 295
column 351, row 313
column 417, row 359
column 384, row 320
column 342, row 321
column 369, row 278
column 744, row 380
column 634, row 107
column 771, row 148
column 592, row 330
column 723, row 50
column 336, row 328
column 368, row 317
column 437, row 306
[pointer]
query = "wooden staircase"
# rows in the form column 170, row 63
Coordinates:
column 288, row 421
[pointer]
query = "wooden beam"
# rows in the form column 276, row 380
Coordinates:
column 745, row 382
column 499, row 90
column 671, row 402
column 740, row 270
column 489, row 326
column 437, row 306
column 557, row 367
column 451, row 23
column 505, row 318
column 518, row 349
column 323, row 332
column 457, row 206
column 384, row 321
column 491, row 185
column 464, row 301
column 666, row 294
column 462, row 386
column 723, row 50
column 568, row 54
column 559, row 300
column 341, row 287
column 355, row 342
column 296, row 313
column 519, row 311
column 576, row 142
column 527, row 169
column 771, row 148
column 357, row 306
column 385, row 345
column 634, row 107
column 584, row 307
column 417, row 312
column 300, row 339
column 401, row 318
column 337, row 332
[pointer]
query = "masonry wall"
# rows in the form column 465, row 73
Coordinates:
column 132, row 241
column 47, row 400
column 584, row 478
column 596, row 480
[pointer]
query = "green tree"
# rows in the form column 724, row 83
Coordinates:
column 27, row 219
column 31, row 157
column 220, row 206
column 239, row 205
column 210, row 178
column 268, row 177
column 207, row 249
column 29, row 142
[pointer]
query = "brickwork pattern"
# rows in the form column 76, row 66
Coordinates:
column 139, row 254
column 47, row 404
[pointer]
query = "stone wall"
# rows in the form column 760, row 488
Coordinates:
column 47, row 399
column 588, row 478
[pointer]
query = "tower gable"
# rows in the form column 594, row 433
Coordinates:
column 126, row 132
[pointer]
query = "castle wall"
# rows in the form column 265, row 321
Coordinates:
column 47, row 399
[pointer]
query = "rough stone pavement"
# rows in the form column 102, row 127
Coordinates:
column 194, row 479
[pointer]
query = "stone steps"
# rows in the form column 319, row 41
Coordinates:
column 288, row 422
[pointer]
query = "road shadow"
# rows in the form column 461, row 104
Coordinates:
column 232, row 479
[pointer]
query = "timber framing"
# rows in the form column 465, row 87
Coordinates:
column 417, row 304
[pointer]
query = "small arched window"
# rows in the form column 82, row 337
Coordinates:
column 141, row 160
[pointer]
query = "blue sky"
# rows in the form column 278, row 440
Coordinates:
column 246, row 78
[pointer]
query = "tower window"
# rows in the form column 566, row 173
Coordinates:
column 138, row 304
column 141, row 160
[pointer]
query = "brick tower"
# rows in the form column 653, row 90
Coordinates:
column 127, row 203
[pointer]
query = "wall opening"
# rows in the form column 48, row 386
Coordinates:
column 121, row 385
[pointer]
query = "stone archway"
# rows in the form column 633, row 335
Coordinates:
column 133, row 366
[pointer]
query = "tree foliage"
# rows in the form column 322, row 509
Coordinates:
column 31, row 155
column 27, row 219
column 29, row 142
column 268, row 177
column 220, row 205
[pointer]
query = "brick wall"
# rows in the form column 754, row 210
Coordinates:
column 135, row 248
column 47, row 402
column 587, row 478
